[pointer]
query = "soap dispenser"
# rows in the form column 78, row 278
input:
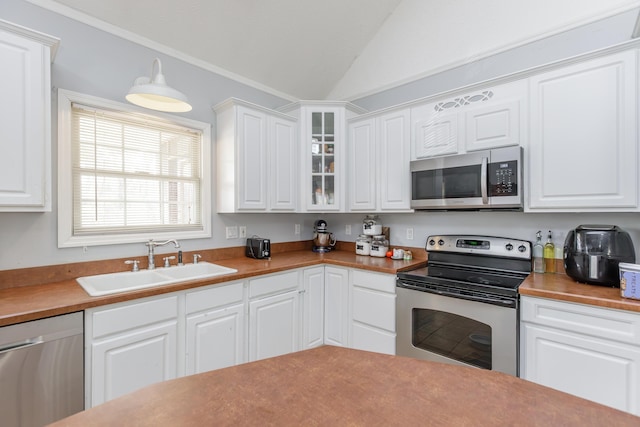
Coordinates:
column 538, row 261
column 549, row 255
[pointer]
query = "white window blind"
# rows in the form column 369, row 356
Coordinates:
column 132, row 174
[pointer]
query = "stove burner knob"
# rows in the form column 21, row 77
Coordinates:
column 432, row 242
column 509, row 247
column 522, row 248
column 440, row 242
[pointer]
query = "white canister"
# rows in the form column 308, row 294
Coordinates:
column 370, row 225
column 379, row 246
column 363, row 245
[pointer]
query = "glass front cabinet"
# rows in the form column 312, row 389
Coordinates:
column 323, row 150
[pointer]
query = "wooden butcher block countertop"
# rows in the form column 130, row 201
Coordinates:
column 333, row 386
column 35, row 293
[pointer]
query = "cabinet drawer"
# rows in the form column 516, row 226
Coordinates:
column 374, row 308
column 217, row 296
column 611, row 324
column 273, row 284
column 376, row 281
column 130, row 316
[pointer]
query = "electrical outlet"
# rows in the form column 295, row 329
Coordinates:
column 409, row 233
column 242, row 231
column 232, row 232
column 296, row 229
column 347, row 229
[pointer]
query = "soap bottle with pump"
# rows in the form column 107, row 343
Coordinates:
column 549, row 255
column 538, row 261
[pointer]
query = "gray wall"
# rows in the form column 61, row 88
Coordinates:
column 97, row 63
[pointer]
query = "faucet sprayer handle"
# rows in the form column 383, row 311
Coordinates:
column 135, row 263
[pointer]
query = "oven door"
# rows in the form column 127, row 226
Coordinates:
column 456, row 331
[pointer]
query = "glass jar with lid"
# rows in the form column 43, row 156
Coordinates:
column 379, row 246
column 363, row 245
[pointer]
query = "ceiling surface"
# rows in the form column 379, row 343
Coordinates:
column 299, row 48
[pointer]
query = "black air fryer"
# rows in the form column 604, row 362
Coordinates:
column 592, row 254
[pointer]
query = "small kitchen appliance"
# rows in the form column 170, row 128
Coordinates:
column 592, row 254
column 488, row 179
column 258, row 248
column 323, row 240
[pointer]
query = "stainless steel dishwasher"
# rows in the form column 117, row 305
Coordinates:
column 41, row 370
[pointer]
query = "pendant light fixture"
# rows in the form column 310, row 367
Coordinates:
column 153, row 93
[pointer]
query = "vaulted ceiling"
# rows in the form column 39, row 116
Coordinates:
column 300, row 48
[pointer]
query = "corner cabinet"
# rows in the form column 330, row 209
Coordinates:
column 378, row 163
column 323, row 152
column 485, row 118
column 590, row 352
column 25, row 119
column 583, row 150
column 257, row 159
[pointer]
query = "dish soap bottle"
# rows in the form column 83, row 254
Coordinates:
column 538, row 261
column 549, row 255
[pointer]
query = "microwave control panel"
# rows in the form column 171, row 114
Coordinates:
column 503, row 178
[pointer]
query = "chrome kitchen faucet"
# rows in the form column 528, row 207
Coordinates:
column 151, row 244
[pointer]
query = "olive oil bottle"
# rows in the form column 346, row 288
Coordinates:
column 538, row 260
column 549, row 255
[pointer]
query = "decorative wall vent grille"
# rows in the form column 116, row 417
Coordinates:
column 464, row 100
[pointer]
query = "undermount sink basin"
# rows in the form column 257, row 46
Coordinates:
column 111, row 283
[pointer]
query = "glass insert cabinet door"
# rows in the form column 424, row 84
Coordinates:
column 323, row 161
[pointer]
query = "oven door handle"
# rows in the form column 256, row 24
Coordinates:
column 483, row 181
column 507, row 302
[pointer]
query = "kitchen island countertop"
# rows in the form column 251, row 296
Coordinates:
column 336, row 386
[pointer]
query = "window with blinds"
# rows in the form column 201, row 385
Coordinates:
column 132, row 175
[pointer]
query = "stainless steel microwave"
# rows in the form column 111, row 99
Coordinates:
column 490, row 179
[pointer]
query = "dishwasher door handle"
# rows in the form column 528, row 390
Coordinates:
column 21, row 344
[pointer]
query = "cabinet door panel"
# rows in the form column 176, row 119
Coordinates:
column 313, row 322
column 252, row 169
column 336, row 317
column 284, row 160
column 583, row 148
column 25, row 122
column 594, row 369
column 133, row 360
column 435, row 132
column 362, row 162
column 492, row 126
column 393, row 148
column 215, row 339
column 273, row 328
column 368, row 338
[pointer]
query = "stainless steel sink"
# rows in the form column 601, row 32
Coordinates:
column 111, row 283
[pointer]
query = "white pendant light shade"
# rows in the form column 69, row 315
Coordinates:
column 153, row 93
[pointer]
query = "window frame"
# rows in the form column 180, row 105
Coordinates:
column 65, row 177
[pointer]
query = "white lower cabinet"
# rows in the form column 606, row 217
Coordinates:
column 129, row 346
column 590, row 352
column 215, row 328
column 274, row 315
column 373, row 311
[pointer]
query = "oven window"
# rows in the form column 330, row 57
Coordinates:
column 453, row 336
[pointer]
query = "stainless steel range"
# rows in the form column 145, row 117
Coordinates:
column 463, row 307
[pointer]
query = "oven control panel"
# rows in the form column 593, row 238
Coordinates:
column 486, row 245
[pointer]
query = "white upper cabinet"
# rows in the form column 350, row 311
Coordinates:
column 257, row 159
column 583, row 152
column 378, row 163
column 481, row 119
column 323, row 152
column 25, row 119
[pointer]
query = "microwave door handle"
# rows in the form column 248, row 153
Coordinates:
column 483, row 181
